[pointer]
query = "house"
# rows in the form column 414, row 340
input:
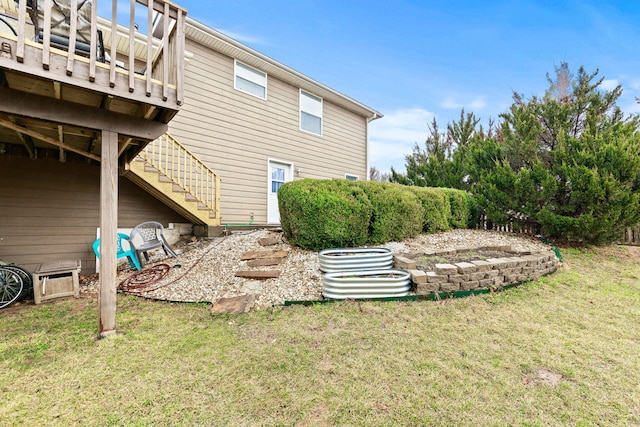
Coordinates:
column 258, row 123
column 254, row 123
column 246, row 124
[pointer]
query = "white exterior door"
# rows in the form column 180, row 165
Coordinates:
column 279, row 173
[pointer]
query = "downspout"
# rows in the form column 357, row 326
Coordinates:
column 373, row 117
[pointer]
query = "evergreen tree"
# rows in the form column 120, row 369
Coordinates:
column 441, row 163
column 569, row 160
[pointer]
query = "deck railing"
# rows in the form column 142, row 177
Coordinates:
column 177, row 163
column 125, row 66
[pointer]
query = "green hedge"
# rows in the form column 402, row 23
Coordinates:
column 321, row 214
column 317, row 214
column 397, row 212
column 436, row 206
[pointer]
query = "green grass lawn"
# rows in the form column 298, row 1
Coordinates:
column 564, row 350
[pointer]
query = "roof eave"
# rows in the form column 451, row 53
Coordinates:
column 214, row 39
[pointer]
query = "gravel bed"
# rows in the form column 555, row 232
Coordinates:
column 205, row 268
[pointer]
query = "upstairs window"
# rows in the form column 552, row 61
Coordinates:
column 310, row 113
column 250, row 80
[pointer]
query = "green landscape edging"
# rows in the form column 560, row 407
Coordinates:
column 554, row 247
column 435, row 296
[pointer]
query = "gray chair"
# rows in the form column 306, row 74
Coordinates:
column 147, row 236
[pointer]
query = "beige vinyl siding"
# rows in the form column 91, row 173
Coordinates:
column 236, row 134
column 50, row 210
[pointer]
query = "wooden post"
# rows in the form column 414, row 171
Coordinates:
column 108, row 231
column 22, row 17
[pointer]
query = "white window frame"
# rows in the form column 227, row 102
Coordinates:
column 315, row 110
column 348, row 175
column 250, row 74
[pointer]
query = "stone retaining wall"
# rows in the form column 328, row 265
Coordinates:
column 492, row 273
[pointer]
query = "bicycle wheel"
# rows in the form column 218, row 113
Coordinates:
column 27, row 280
column 11, row 286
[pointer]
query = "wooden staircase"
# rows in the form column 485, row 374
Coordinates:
column 166, row 169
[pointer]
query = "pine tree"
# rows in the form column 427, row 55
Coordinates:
column 570, row 160
column 441, row 162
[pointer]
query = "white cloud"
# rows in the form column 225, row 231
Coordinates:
column 476, row 104
column 452, row 103
column 609, row 84
column 628, row 100
column 243, row 38
column 634, row 84
column 392, row 137
column 631, row 108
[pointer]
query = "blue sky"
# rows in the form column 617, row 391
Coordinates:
column 413, row 60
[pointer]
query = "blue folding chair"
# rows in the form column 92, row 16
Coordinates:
column 121, row 253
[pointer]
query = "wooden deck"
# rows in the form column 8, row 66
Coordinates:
column 54, row 96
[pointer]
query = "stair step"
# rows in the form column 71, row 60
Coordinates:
column 263, row 254
column 171, row 193
column 258, row 274
column 264, row 262
column 177, row 189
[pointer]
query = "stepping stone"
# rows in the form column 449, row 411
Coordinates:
column 252, row 286
column 260, row 275
column 264, row 262
column 264, row 254
column 233, row 305
column 269, row 240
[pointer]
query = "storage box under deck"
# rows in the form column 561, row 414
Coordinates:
column 56, row 279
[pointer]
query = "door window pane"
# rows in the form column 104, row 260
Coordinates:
column 277, row 178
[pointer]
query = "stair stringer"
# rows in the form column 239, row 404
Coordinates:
column 160, row 186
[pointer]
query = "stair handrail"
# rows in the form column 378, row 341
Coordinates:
column 183, row 168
